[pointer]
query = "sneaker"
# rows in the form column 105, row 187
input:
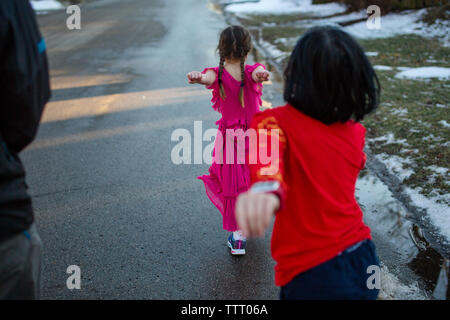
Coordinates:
column 237, row 246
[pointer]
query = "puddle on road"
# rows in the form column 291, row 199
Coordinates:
column 400, row 243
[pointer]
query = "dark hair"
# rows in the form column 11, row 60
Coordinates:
column 329, row 77
column 235, row 43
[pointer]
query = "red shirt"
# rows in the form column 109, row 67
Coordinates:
column 318, row 167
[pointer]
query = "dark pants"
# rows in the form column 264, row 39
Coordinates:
column 20, row 266
column 342, row 278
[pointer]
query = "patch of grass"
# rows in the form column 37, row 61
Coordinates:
column 409, row 110
column 437, row 13
column 271, row 34
column 407, row 50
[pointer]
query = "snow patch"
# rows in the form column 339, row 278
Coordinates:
column 382, row 68
column 393, row 289
column 407, row 22
column 273, row 51
column 435, row 204
column 424, row 73
column 438, row 170
column 389, row 139
column 400, row 112
column 396, row 165
column 431, row 137
column 438, row 212
column 287, row 7
column 43, row 5
column 425, row 124
column 444, row 123
column 287, row 41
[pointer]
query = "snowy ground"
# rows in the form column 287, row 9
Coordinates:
column 388, row 217
column 393, row 289
column 287, row 6
column 401, row 23
column 391, row 24
column 437, row 211
column 425, row 73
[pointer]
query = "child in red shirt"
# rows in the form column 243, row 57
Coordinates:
column 321, row 245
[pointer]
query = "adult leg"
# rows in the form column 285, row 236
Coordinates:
column 20, row 266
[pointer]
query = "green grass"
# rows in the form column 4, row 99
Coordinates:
column 407, row 50
column 420, row 100
column 272, row 34
column 421, row 121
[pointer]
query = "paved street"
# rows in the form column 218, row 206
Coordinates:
column 107, row 196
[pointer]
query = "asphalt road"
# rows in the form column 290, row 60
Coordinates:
column 106, row 193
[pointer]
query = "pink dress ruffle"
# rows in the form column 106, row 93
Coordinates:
column 226, row 181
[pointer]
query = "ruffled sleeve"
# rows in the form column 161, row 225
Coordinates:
column 251, row 68
column 257, row 87
column 215, row 100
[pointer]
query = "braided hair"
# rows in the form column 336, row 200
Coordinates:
column 241, row 91
column 235, row 43
column 221, row 90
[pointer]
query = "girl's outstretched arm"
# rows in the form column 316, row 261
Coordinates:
column 260, row 74
column 207, row 78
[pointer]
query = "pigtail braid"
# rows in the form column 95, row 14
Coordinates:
column 241, row 92
column 221, row 89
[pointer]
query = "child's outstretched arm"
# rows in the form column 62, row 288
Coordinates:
column 260, row 74
column 255, row 208
column 207, row 78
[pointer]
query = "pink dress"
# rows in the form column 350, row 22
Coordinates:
column 226, row 180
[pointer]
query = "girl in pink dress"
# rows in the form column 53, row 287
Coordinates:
column 236, row 94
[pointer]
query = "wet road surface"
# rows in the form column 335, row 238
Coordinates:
column 106, row 193
column 107, row 196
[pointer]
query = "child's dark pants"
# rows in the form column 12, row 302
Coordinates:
column 343, row 277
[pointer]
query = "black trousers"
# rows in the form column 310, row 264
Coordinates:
column 345, row 277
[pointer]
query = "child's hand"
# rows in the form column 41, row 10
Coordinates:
column 195, row 77
column 262, row 76
column 254, row 212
